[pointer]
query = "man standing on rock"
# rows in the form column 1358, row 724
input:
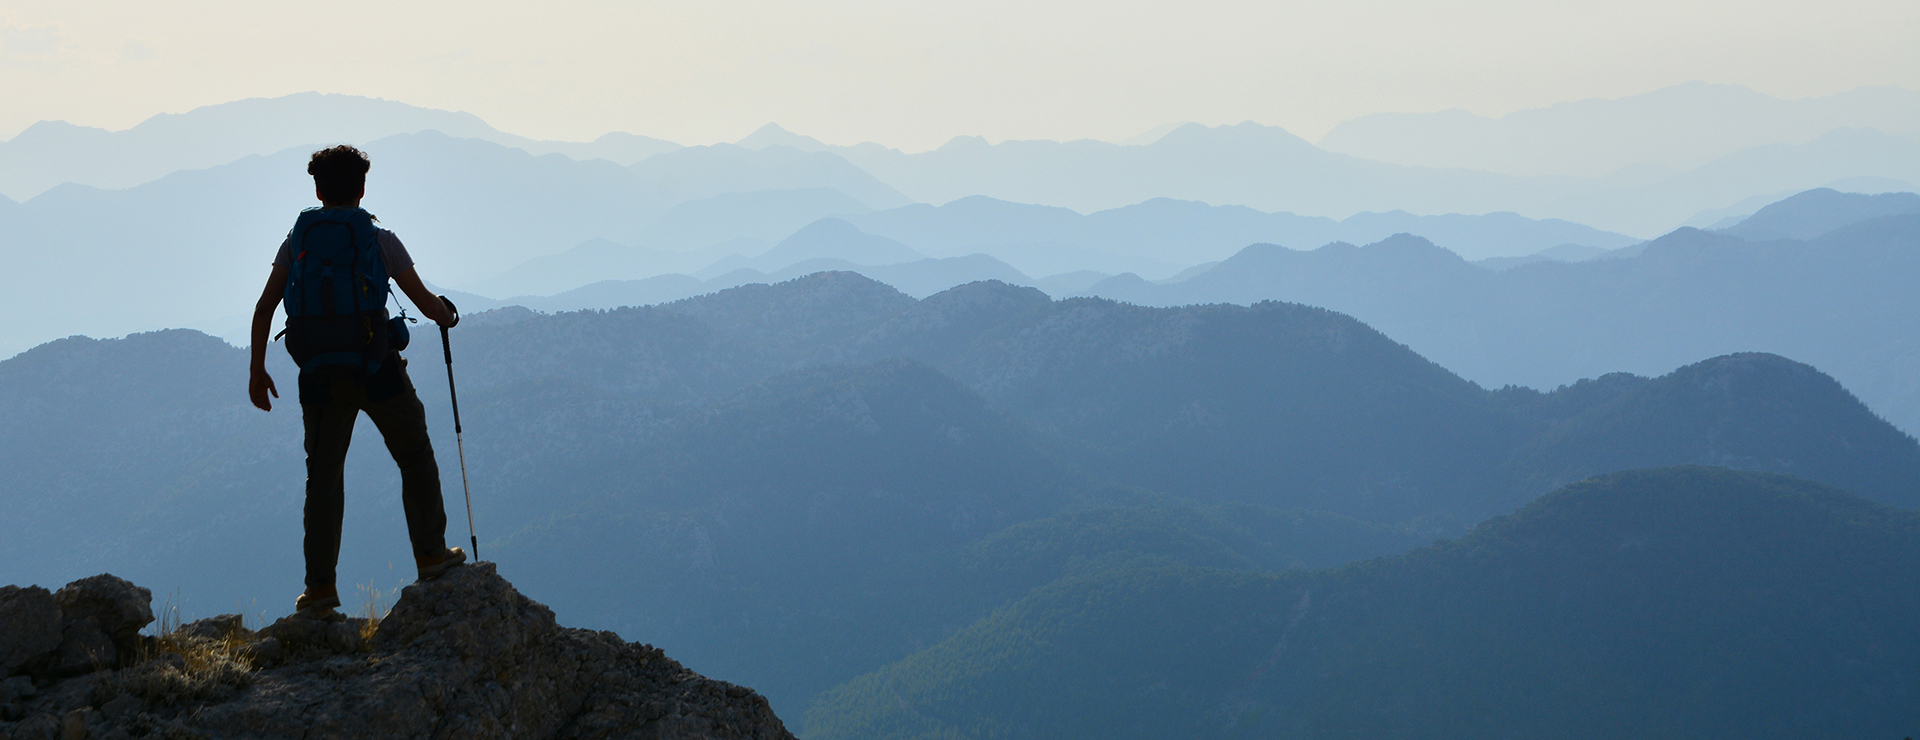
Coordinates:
column 332, row 274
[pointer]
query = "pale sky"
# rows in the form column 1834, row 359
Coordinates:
column 913, row 74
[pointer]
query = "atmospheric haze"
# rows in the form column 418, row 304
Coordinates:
column 915, row 74
column 1039, row 371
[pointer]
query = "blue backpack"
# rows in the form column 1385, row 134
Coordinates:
column 336, row 295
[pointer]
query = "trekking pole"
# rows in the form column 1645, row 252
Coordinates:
column 446, row 348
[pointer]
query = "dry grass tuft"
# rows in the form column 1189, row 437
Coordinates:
column 374, row 611
column 182, row 669
column 177, row 668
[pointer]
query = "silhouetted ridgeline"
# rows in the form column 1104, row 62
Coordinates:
column 799, row 483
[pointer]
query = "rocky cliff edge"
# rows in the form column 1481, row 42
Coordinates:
column 465, row 656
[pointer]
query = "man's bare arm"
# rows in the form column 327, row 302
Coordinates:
column 423, row 299
column 259, row 383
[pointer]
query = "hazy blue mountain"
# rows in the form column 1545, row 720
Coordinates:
column 1677, row 127
column 773, row 135
column 698, row 172
column 609, row 294
column 919, row 278
column 927, row 277
column 1171, row 234
column 1562, row 253
column 1837, row 301
column 834, row 238
column 618, row 147
column 1815, row 212
column 53, row 152
column 714, row 239
column 1833, row 159
column 1078, row 281
column 1673, row 603
column 593, row 258
column 685, row 238
column 1237, row 165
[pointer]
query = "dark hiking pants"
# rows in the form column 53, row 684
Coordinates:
column 330, row 401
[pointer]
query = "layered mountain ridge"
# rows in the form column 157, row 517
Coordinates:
column 806, row 481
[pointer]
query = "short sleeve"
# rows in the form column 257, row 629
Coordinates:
column 284, row 258
column 393, row 253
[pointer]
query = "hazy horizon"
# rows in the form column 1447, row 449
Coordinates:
column 1140, row 137
column 914, row 76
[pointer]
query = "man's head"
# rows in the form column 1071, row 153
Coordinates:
column 339, row 174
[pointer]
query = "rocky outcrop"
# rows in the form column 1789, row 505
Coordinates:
column 465, row 656
column 92, row 624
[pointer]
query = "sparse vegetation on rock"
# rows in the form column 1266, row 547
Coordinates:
column 465, row 656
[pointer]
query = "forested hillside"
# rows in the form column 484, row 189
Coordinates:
column 1668, row 603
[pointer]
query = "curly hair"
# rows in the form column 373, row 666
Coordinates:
column 339, row 173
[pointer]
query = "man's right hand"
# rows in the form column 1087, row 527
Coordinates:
column 454, row 312
column 259, row 385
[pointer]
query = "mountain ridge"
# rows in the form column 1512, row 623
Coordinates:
column 1654, row 603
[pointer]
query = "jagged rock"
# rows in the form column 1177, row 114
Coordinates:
column 213, row 628
column 84, row 648
column 118, row 608
column 12, row 692
column 339, row 635
column 37, row 727
column 465, row 656
column 29, row 626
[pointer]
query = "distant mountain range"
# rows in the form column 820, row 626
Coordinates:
column 792, row 485
column 1674, row 128
column 1737, row 144
column 467, row 209
column 1840, row 300
column 50, row 153
column 500, row 222
column 1159, row 237
column 1270, row 169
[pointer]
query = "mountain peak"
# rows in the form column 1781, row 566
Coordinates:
column 1245, row 133
column 463, row 656
column 1809, row 214
column 773, row 134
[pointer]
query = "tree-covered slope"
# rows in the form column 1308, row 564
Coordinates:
column 1751, row 411
column 1679, row 602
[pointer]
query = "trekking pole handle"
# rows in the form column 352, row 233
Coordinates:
column 446, row 349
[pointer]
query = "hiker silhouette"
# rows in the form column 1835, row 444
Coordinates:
column 331, row 274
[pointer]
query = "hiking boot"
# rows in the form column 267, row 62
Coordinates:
column 318, row 602
column 437, row 565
